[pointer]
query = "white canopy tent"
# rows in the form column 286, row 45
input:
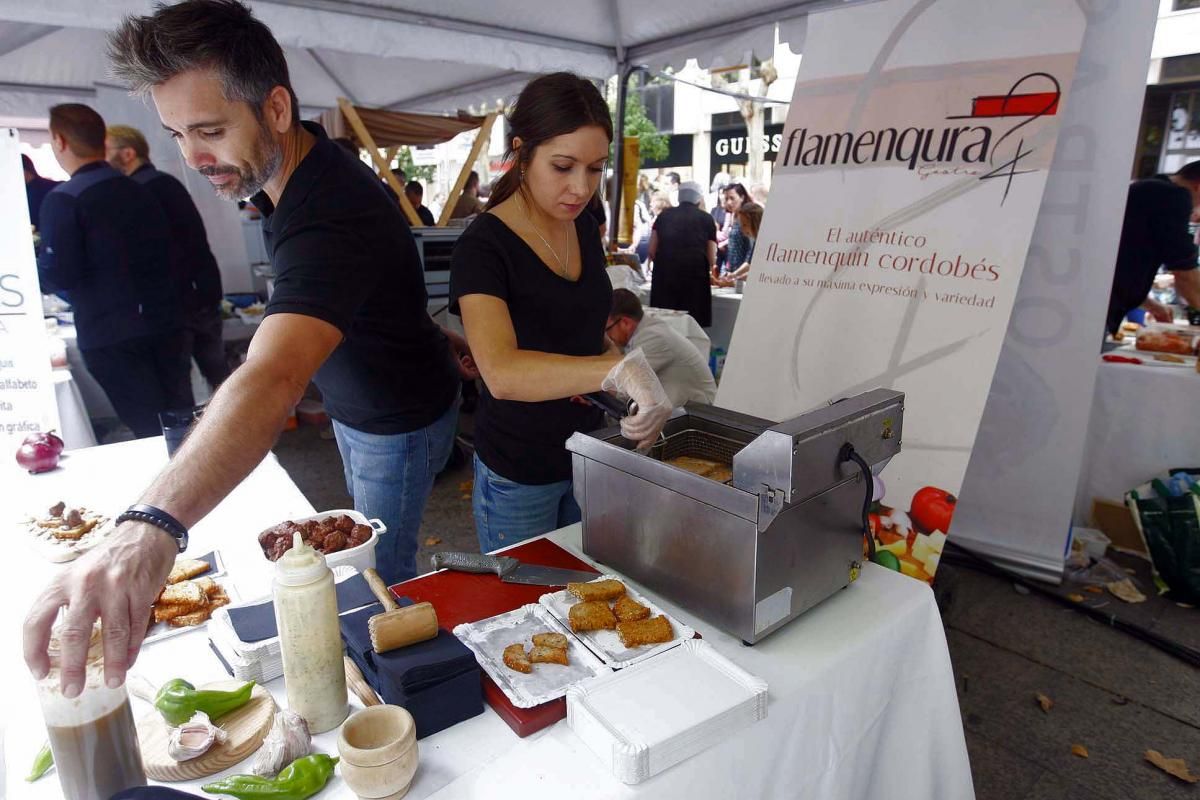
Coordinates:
column 415, row 55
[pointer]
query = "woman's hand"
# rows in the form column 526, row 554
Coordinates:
column 635, row 378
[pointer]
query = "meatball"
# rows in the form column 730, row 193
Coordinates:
column 344, row 524
column 359, row 534
column 334, row 542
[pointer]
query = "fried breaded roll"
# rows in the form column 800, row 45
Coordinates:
column 645, row 631
column 558, row 640
column 607, row 589
column 627, row 609
column 592, row 615
column 549, row 655
column 516, row 659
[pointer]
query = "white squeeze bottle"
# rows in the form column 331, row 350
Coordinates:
column 309, row 637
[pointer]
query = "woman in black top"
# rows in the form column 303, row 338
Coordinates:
column 683, row 247
column 528, row 278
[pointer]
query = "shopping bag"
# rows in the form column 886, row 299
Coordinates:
column 1170, row 528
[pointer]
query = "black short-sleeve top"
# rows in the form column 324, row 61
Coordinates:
column 525, row 442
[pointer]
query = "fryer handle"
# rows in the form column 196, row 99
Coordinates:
column 611, row 405
column 474, row 562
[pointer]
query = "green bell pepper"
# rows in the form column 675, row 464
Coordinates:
column 178, row 701
column 301, row 779
column 41, row 763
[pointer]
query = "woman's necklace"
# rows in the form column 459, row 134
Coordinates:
column 562, row 266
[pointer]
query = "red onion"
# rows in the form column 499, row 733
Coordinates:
column 49, row 437
column 37, row 456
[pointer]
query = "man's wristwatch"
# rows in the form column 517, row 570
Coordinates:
column 159, row 519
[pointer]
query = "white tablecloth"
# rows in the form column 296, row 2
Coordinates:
column 74, row 425
column 725, row 306
column 1144, row 420
column 862, row 699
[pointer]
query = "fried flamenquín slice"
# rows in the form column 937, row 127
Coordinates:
column 208, row 586
column 592, row 615
column 628, row 610
column 194, row 618
column 516, row 659
column 558, row 640
column 549, row 655
column 186, row 569
column 185, row 593
column 608, row 589
column 164, row 612
column 645, row 631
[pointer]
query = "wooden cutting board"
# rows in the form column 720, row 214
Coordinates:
column 247, row 727
column 469, row 597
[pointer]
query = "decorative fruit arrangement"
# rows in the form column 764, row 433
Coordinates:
column 39, row 452
column 912, row 542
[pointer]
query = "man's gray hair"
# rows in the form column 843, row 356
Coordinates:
column 218, row 35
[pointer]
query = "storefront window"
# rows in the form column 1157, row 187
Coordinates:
column 1185, row 5
column 1183, row 129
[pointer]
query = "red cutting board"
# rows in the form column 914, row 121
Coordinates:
column 468, row 597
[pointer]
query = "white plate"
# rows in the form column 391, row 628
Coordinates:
column 163, row 630
column 643, row 720
column 487, row 638
column 606, row 644
column 60, row 551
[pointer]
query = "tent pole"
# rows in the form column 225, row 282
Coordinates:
column 481, row 140
column 625, row 71
column 385, row 169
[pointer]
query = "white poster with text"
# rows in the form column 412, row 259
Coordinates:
column 906, row 188
column 27, row 400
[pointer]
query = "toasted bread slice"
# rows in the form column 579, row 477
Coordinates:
column 549, row 655
column 597, row 590
column 186, row 569
column 592, row 615
column 558, row 640
column 186, row 593
column 628, row 610
column 645, row 631
column 516, row 659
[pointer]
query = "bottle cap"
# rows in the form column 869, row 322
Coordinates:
column 300, row 565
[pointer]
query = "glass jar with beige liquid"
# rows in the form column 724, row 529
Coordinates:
column 92, row 735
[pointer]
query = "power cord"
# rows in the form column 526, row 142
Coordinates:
column 848, row 453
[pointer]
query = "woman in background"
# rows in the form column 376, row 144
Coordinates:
column 683, row 249
column 741, row 244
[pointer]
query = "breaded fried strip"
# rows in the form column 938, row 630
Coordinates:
column 607, row 589
column 558, row 640
column 187, row 568
column 162, row 612
column 593, row 615
column 645, row 631
column 627, row 609
column 549, row 655
column 194, row 618
column 515, row 658
column 183, row 593
column 208, row 586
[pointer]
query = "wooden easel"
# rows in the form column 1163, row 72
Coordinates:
column 384, row 167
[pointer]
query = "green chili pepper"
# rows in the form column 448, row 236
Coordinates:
column 303, row 778
column 41, row 763
column 178, row 701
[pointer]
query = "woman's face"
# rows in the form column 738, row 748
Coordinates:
column 564, row 171
column 733, row 201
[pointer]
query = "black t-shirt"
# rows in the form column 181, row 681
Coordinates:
column 342, row 253
column 426, row 216
column 681, row 277
column 525, row 442
column 1154, row 234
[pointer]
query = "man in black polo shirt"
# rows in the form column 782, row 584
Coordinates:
column 36, row 189
column 104, row 241
column 348, row 311
column 1155, row 234
column 415, row 193
column 192, row 263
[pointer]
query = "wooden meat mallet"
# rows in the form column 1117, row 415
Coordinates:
column 397, row 627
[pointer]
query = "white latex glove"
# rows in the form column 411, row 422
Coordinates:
column 634, row 377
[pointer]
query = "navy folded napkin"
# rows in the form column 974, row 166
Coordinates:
column 438, row 680
column 257, row 622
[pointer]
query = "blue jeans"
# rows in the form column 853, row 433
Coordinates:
column 390, row 477
column 507, row 512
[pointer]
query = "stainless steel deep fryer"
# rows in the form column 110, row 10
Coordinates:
column 753, row 553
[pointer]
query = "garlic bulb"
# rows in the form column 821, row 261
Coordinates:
column 288, row 740
column 194, row 738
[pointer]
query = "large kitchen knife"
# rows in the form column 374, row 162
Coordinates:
column 510, row 570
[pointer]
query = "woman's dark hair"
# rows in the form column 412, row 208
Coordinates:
column 739, row 190
column 549, row 106
column 750, row 218
column 221, row 35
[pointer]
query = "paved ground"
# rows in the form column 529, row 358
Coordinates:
column 1113, row 694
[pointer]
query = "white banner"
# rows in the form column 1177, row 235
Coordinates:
column 27, row 403
column 906, row 189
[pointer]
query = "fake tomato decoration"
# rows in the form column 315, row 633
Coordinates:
column 932, row 509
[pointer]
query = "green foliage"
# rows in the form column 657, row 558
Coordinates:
column 651, row 144
column 404, row 160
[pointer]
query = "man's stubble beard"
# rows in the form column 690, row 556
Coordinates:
column 264, row 163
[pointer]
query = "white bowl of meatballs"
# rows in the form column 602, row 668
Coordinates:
column 343, row 535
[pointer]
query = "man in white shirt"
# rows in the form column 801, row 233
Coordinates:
column 681, row 369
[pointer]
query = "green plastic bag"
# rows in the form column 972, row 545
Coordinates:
column 1170, row 527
